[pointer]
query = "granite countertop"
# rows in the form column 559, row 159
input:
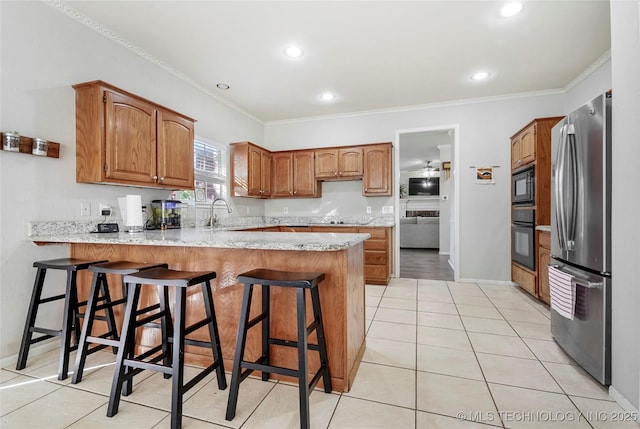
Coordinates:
column 545, row 228
column 218, row 238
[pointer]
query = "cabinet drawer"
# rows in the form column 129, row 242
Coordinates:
column 375, row 257
column 376, row 233
column 371, row 244
column 544, row 239
column 334, row 229
column 525, row 279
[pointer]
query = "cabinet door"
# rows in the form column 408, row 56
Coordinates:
column 130, row 141
column 515, row 152
column 326, row 164
column 350, row 162
column 265, row 174
column 254, row 171
column 304, row 178
column 175, row 151
column 377, row 170
column 282, row 175
column 544, row 258
column 528, row 145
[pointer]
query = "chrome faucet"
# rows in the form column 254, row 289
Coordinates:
column 213, row 219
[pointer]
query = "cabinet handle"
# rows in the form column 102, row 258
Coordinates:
column 155, row 177
column 162, row 179
column 335, row 173
column 340, row 174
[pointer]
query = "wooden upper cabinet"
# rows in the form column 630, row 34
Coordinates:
column 377, row 170
column 523, row 147
column 293, row 174
column 175, row 150
column 250, row 170
column 124, row 139
column 338, row 163
column 282, row 176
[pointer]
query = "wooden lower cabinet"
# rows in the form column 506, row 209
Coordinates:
column 377, row 251
column 525, row 278
column 544, row 258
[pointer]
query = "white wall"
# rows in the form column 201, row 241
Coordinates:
column 625, row 70
column 43, row 53
column 484, row 131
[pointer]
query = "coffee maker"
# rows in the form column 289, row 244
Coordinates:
column 165, row 214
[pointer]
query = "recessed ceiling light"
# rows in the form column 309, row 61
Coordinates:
column 511, row 8
column 481, row 75
column 293, row 51
column 327, row 96
column 223, row 86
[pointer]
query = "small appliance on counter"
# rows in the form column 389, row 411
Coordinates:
column 165, row 214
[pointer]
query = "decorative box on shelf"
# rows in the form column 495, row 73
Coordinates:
column 25, row 145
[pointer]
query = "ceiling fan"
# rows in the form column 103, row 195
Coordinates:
column 430, row 171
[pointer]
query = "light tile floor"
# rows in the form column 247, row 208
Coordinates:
column 439, row 355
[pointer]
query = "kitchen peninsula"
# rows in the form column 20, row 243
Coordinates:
column 229, row 253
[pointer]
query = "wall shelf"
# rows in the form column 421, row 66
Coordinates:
column 26, row 145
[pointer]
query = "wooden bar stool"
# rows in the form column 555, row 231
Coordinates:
column 127, row 365
column 100, row 299
column 301, row 282
column 70, row 316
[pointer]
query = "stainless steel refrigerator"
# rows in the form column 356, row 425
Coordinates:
column 581, row 233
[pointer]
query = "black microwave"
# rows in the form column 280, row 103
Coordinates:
column 522, row 188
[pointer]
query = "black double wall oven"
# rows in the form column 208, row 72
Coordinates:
column 523, row 218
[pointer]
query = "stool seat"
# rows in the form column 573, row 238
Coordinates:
column 70, row 317
column 100, row 300
column 68, row 264
column 167, row 277
column 264, row 276
column 301, row 281
column 173, row 340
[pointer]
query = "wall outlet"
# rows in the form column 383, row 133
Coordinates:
column 387, row 209
column 105, row 209
column 369, row 209
column 85, row 208
column 444, row 197
column 286, row 210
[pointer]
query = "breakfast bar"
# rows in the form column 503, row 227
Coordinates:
column 342, row 293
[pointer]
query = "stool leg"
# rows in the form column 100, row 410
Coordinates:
column 166, row 327
column 108, row 311
column 236, row 376
column 322, row 346
column 213, row 334
column 68, row 317
column 266, row 328
column 178, row 358
column 303, row 376
column 31, row 318
column 83, row 345
column 124, row 350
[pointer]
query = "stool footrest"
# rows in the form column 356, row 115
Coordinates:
column 259, row 318
column 290, row 343
column 51, row 298
column 198, row 377
column 148, row 319
column 134, row 363
column 147, row 309
column 48, row 332
column 104, row 341
column 255, row 366
column 109, row 304
column 196, row 326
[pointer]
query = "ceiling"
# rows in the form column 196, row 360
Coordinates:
column 372, row 54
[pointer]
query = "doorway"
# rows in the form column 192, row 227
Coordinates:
column 426, row 213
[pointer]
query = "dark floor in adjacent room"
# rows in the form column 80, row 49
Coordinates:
column 425, row 264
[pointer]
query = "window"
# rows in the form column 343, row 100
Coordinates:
column 210, row 168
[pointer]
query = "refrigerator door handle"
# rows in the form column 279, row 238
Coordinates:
column 559, row 188
column 570, row 232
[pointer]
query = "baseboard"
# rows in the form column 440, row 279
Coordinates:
column 485, row 281
column 35, row 350
column 623, row 402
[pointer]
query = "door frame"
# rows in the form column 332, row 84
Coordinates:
column 455, row 148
